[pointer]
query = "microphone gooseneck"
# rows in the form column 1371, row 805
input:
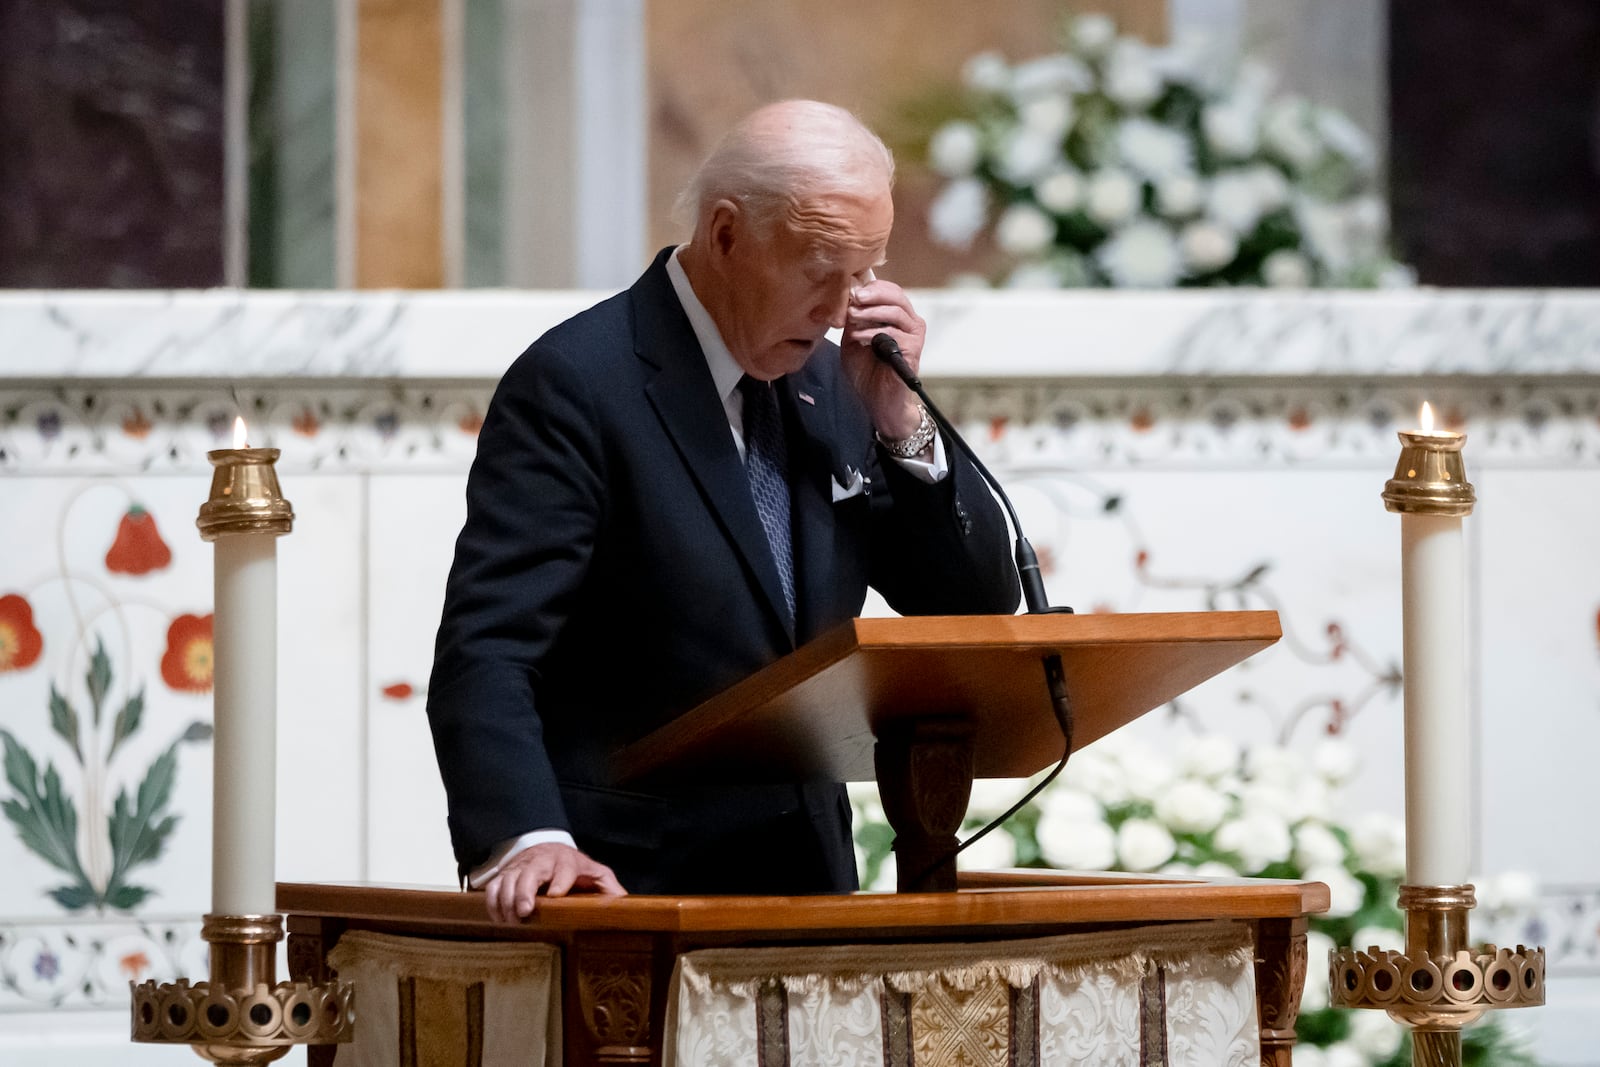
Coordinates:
column 888, row 351
column 1033, row 594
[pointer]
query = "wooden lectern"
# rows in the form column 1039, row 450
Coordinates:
column 930, row 703
column 924, row 705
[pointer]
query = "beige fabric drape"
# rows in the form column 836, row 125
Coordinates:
column 426, row 1003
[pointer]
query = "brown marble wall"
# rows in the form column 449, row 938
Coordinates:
column 1495, row 140
column 111, row 133
column 712, row 61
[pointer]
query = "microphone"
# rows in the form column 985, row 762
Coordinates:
column 1033, row 594
column 888, row 352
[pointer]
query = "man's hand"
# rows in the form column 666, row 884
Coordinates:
column 556, row 869
column 882, row 307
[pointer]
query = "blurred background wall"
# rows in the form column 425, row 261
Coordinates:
column 442, row 143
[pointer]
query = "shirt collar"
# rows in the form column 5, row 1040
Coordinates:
column 725, row 372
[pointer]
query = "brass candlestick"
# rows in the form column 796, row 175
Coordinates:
column 243, row 1015
column 1438, row 984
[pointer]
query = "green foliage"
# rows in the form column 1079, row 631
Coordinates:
column 46, row 820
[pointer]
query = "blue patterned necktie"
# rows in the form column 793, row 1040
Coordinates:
column 766, row 464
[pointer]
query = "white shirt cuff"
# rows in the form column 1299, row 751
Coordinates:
column 506, row 849
column 929, row 470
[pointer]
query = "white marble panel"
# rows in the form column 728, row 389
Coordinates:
column 1539, row 649
column 413, row 523
column 321, row 647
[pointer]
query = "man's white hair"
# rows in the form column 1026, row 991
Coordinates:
column 784, row 153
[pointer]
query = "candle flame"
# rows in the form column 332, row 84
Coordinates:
column 1425, row 416
column 240, row 436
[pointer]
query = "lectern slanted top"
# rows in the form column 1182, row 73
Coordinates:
column 924, row 705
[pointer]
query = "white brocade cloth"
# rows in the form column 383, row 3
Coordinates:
column 501, row 1000
column 1177, row 995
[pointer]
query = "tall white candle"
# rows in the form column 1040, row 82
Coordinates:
column 244, row 516
column 243, row 849
column 1438, row 850
column 1430, row 490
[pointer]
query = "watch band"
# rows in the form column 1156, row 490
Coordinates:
column 912, row 447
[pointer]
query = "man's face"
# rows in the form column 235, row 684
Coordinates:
column 782, row 292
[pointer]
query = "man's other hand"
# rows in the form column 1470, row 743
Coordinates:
column 551, row 868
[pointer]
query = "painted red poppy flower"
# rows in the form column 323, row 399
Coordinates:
column 138, row 548
column 187, row 664
column 20, row 640
column 399, row 691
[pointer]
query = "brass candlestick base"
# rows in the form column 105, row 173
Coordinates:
column 1437, row 986
column 243, row 1016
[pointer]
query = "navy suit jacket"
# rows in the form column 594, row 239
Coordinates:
column 613, row 573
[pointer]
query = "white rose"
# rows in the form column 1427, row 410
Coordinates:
column 1060, row 191
column 1259, row 839
column 1098, row 775
column 1287, row 132
column 1345, row 138
column 958, row 213
column 1314, row 996
column 1180, row 196
column 1092, row 34
column 1207, row 245
column 1131, row 76
column 1191, row 807
column 1048, row 116
column 966, row 279
column 1267, row 799
column 1379, row 844
column 1272, row 188
column 1113, row 196
column 1511, row 891
column 1230, row 130
column 1346, row 892
column 1335, row 760
column 1148, row 773
column 955, row 148
column 1368, row 216
column 1177, row 869
column 1152, row 149
column 1073, row 805
column 1397, row 276
column 1209, row 757
column 1143, row 845
column 1344, row 1054
column 1374, row 1034
column 1234, row 201
column 991, row 796
column 1032, row 276
column 1024, row 230
column 1076, row 845
column 887, row 875
column 1056, row 74
column 1026, row 154
column 987, row 72
column 1306, row 1055
column 1316, row 846
column 1275, row 765
column 1215, row 869
column 1141, row 255
column 993, row 851
column 1284, row 269
column 1381, row 937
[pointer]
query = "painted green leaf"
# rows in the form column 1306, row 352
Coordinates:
column 127, row 722
column 197, row 731
column 98, row 678
column 45, row 818
column 64, row 721
column 139, row 826
column 127, row 897
column 73, row 897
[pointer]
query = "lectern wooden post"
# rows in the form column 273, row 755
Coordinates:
column 927, row 704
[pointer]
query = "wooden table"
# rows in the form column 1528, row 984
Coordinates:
column 618, row 952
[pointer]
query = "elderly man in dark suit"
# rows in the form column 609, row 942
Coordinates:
column 675, row 488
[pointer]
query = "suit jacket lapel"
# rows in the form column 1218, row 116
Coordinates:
column 686, row 401
column 816, row 464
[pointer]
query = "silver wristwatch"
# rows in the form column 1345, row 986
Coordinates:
column 911, row 447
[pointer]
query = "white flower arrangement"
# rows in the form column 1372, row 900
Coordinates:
column 1114, row 163
column 1216, row 809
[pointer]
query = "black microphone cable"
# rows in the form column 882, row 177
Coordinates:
column 888, row 351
